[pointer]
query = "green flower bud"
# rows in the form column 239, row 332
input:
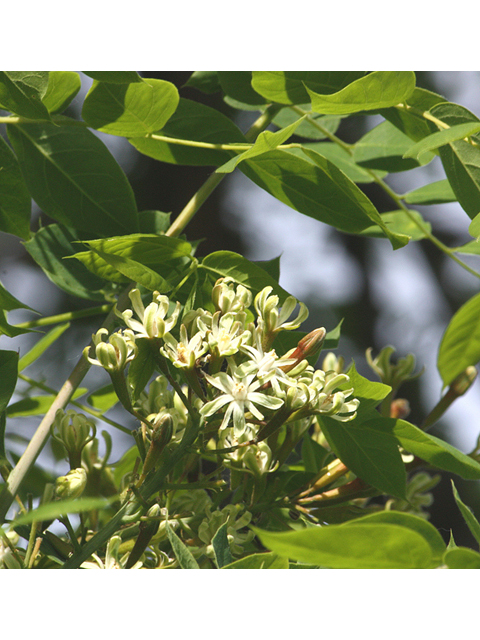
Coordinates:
column 73, row 430
column 71, row 485
column 115, row 354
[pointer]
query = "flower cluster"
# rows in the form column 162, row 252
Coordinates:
column 226, row 358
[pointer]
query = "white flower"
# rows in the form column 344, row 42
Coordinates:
column 240, row 394
column 225, row 298
column 271, row 319
column 153, row 322
column 114, row 354
column 226, row 334
column 185, row 353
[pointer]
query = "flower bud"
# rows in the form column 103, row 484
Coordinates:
column 115, row 354
column 74, row 431
column 257, row 458
column 71, row 485
column 464, row 381
column 399, row 409
column 308, row 346
column 161, row 435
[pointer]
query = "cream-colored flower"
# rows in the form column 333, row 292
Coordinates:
column 153, row 321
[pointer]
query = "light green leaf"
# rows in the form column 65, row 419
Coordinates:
column 434, row 193
column 136, row 272
column 115, row 77
column 15, row 203
column 401, row 223
column 62, row 88
column 436, row 140
column 412, row 122
column 48, row 247
column 291, row 87
column 462, row 558
column 221, row 547
column 182, row 552
column 103, row 399
column 471, row 248
column 130, row 110
column 377, row 90
column 63, row 507
column 235, row 266
column 192, row 121
column 307, row 129
column 467, row 514
column 356, row 546
column 474, row 227
column 409, row 521
column 259, row 561
column 436, row 452
column 320, row 191
column 36, row 405
column 460, row 159
column 383, row 148
column 266, row 141
column 460, row 345
column 74, row 178
column 148, row 249
column 41, row 346
column 21, row 92
column 141, row 368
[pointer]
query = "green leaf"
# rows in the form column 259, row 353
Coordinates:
column 204, row 81
column 462, row 558
column 467, row 514
column 384, row 147
column 181, row 551
column 103, row 399
column 313, row 454
column 434, row 193
column 370, row 450
column 474, row 227
column 154, row 222
column 266, row 141
column 436, row 452
column 259, row 561
column 320, row 191
column 63, row 507
column 8, row 303
column 41, row 346
column 460, row 159
column 192, row 121
column 74, row 178
column 409, row 521
column 141, row 368
column 340, row 158
column 21, row 92
column 36, row 405
column 62, row 88
column 238, row 86
column 401, row 223
column 460, row 344
column 48, row 247
column 221, row 547
column 436, row 140
column 377, row 90
column 241, row 270
column 8, row 376
column 307, row 129
column 471, row 248
column 290, row 87
column 370, row 393
column 130, row 110
column 352, row 546
column 412, row 123
column 15, row 204
column 115, row 77
column 147, row 249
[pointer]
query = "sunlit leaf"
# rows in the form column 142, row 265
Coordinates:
column 434, row 193
column 21, row 92
column 62, row 88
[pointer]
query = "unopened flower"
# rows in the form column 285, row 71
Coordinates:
column 73, row 430
column 114, row 354
column 153, row 321
column 241, row 395
column 271, row 318
column 226, row 298
column 71, row 485
column 226, row 334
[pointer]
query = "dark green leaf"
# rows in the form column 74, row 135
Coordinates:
column 320, row 191
column 15, row 203
column 62, row 88
column 259, row 561
column 204, row 81
column 467, row 514
column 289, row 87
column 436, row 452
column 182, row 552
column 401, row 223
column 352, row 546
column 377, row 90
column 238, row 85
column 8, row 303
column 460, row 345
column 192, row 121
column 462, row 558
column 8, row 376
column 434, row 193
column 141, row 368
column 313, row 454
column 460, row 159
column 384, row 148
column 48, row 247
column 74, row 178
column 130, row 110
column 153, row 222
column 115, row 77
column 307, row 129
column 21, row 92
column 412, row 123
column 221, row 547
column 136, row 272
